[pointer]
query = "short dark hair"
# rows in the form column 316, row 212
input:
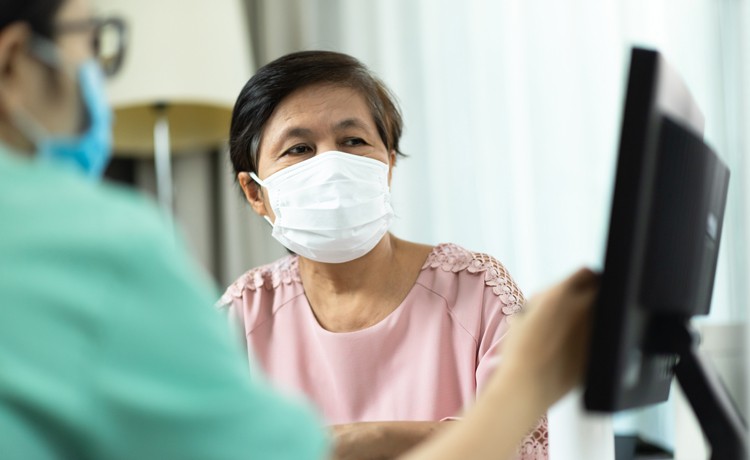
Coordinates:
column 38, row 14
column 278, row 79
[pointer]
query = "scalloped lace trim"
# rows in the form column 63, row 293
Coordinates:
column 536, row 445
column 271, row 276
column 447, row 256
column 453, row 258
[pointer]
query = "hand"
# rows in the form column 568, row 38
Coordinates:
column 548, row 344
column 379, row 440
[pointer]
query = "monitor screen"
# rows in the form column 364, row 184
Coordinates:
column 663, row 243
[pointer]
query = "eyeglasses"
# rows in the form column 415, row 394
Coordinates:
column 109, row 37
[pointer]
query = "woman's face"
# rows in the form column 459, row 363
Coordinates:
column 27, row 85
column 311, row 121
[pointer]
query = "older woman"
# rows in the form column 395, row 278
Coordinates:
column 388, row 337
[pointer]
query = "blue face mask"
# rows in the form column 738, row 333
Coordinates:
column 89, row 151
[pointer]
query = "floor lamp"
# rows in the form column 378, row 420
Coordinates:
column 185, row 65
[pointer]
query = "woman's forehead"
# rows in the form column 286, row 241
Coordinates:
column 320, row 105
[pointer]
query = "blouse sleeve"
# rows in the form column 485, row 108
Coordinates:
column 502, row 300
column 231, row 307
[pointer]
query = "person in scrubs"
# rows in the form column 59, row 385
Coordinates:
column 108, row 346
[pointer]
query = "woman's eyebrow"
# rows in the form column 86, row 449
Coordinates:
column 350, row 123
column 301, row 132
column 295, row 131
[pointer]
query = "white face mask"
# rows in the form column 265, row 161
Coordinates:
column 333, row 208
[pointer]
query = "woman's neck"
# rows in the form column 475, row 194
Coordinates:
column 357, row 294
column 353, row 276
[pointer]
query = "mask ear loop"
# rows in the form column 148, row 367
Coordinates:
column 46, row 51
column 30, row 128
column 257, row 180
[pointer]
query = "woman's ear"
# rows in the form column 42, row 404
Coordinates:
column 253, row 193
column 392, row 164
column 14, row 83
column 12, row 40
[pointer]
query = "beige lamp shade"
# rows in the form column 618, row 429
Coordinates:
column 191, row 57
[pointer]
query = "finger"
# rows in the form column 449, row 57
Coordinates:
column 583, row 278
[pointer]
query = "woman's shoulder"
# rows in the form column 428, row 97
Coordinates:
column 268, row 278
column 479, row 268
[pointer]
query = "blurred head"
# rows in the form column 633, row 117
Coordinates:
column 308, row 103
column 38, row 14
column 29, row 84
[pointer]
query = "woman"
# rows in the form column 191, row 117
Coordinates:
column 386, row 336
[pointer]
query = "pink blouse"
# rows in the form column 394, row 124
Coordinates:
column 427, row 360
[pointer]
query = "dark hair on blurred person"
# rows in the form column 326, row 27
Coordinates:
column 38, row 14
column 278, row 79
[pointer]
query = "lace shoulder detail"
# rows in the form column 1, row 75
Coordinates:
column 268, row 277
column 536, row 444
column 453, row 258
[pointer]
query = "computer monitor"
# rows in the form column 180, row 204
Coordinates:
column 662, row 249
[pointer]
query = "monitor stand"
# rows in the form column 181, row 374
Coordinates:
column 715, row 410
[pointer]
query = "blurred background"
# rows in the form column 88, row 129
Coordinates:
column 512, row 112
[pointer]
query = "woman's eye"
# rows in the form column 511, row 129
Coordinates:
column 298, row 150
column 352, row 141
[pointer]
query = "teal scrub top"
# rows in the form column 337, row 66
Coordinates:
column 109, row 345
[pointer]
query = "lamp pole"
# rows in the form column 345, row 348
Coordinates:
column 162, row 159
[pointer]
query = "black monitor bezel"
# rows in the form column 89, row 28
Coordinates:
column 654, row 91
